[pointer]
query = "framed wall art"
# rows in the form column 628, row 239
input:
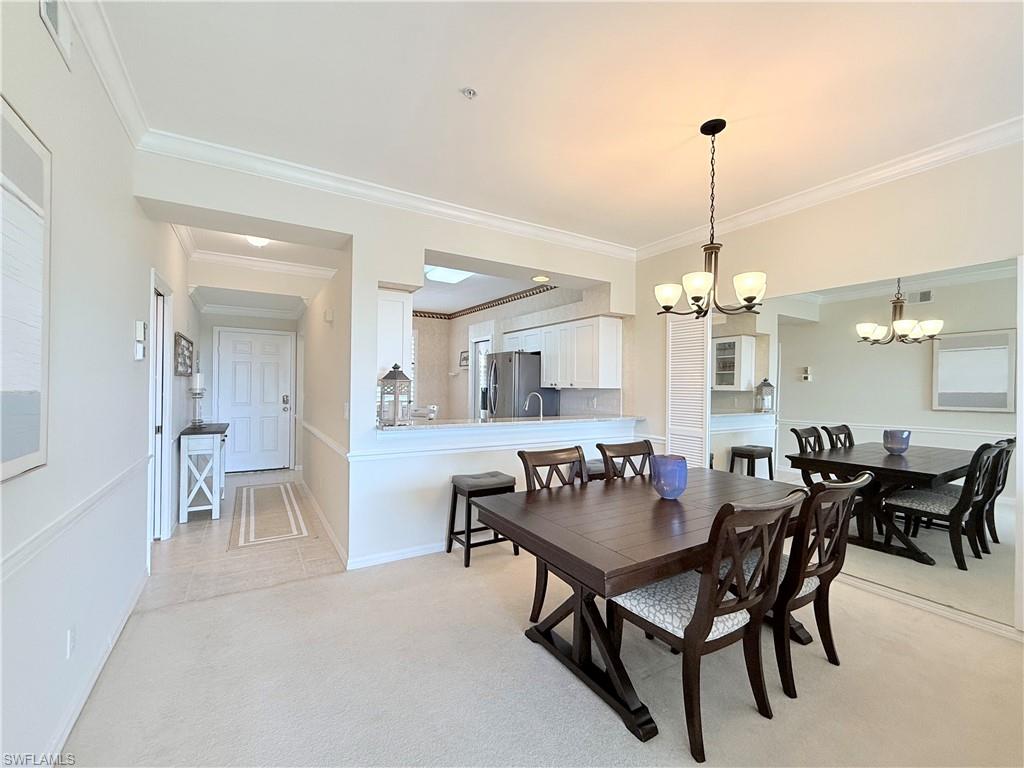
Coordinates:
column 974, row 371
column 184, row 354
column 25, row 308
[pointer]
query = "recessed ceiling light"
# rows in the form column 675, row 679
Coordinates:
column 445, row 275
column 259, row 242
column 469, row 93
column 541, row 278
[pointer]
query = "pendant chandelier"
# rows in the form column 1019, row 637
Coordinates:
column 902, row 329
column 701, row 288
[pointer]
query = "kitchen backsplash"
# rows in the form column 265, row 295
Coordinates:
column 732, row 402
column 588, row 402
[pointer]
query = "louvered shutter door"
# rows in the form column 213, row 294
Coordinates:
column 687, row 388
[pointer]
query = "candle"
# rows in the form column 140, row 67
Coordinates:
column 197, row 381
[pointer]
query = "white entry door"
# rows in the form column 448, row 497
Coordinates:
column 254, row 396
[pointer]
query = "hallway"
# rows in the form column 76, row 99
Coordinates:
column 199, row 561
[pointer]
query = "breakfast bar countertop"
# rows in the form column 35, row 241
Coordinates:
column 533, row 421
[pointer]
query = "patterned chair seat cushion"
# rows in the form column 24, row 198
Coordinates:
column 929, row 502
column 670, row 604
column 950, row 490
column 809, row 584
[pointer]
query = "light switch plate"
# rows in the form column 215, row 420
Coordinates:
column 140, row 330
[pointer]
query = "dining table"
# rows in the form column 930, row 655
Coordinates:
column 921, row 466
column 605, row 538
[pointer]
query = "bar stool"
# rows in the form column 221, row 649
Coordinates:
column 595, row 469
column 472, row 487
column 751, row 453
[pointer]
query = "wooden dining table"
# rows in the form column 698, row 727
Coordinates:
column 604, row 538
column 921, row 466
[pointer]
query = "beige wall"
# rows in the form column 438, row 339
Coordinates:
column 326, row 375
column 432, row 363
column 967, row 212
column 74, row 531
column 888, row 385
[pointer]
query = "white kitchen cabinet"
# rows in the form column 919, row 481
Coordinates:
column 733, row 363
column 512, row 342
column 532, row 340
column 581, row 354
column 549, row 357
column 394, row 331
column 522, row 341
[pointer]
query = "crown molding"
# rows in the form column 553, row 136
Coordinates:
column 263, row 265
column 994, row 136
column 239, row 311
column 184, row 235
column 507, row 299
column 243, row 161
column 93, row 28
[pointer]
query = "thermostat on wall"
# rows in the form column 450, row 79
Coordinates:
column 806, row 375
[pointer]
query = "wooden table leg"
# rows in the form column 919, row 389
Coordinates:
column 871, row 509
column 611, row 683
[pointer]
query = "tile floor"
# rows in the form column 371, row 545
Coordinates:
column 195, row 563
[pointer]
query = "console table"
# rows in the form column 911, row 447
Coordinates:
column 202, row 469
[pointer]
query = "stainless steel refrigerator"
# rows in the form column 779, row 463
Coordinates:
column 511, row 377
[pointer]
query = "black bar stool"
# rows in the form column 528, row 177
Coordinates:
column 595, row 469
column 471, row 487
column 751, row 453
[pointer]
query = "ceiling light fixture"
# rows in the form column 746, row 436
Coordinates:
column 469, row 93
column 541, row 279
column 445, row 274
column 259, row 242
column 902, row 329
column 701, row 288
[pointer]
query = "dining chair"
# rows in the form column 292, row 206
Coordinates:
column 816, row 556
column 963, row 514
column 840, row 436
column 1002, row 469
column 808, row 440
column 618, row 456
column 566, row 465
column 698, row 613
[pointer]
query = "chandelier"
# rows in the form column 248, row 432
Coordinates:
column 701, row 288
column 902, row 329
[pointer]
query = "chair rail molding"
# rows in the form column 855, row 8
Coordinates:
column 27, row 550
column 330, row 442
column 983, row 433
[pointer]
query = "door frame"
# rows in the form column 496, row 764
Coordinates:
column 167, row 518
column 484, row 332
column 215, row 388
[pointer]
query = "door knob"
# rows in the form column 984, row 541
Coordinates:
column 284, row 408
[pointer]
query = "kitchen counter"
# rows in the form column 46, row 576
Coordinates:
column 419, row 424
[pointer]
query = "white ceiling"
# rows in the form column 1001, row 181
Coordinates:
column 212, row 241
column 451, row 297
column 234, row 302
column 587, row 114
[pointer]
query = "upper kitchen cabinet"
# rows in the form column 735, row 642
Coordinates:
column 581, row 354
column 733, row 363
column 522, row 341
column 394, row 331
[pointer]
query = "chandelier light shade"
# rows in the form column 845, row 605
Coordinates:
column 905, row 330
column 700, row 289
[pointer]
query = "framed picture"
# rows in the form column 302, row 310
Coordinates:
column 464, row 359
column 974, row 371
column 25, row 308
column 183, row 353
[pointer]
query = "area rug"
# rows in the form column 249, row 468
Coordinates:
column 266, row 514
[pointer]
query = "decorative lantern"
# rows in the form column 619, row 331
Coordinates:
column 764, row 397
column 395, row 399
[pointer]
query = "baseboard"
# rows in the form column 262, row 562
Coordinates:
column 342, row 552
column 962, row 617
column 396, row 554
column 83, row 696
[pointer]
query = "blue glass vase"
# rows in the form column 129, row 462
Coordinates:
column 668, row 474
column 896, row 441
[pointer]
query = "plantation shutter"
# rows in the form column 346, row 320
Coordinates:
column 688, row 342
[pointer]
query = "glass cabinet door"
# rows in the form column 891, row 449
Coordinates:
column 725, row 364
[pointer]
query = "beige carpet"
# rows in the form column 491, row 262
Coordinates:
column 423, row 662
column 984, row 589
column 265, row 514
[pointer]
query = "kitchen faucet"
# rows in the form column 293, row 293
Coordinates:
column 526, row 405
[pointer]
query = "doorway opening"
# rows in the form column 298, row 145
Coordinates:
column 160, row 518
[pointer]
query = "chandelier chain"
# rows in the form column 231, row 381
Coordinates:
column 712, row 189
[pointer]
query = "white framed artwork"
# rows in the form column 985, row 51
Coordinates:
column 974, row 371
column 25, row 307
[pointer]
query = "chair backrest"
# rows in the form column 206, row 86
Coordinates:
column 725, row 585
column 641, row 449
column 819, row 543
column 1003, row 465
column 808, row 439
column 979, row 483
column 840, row 436
column 553, row 461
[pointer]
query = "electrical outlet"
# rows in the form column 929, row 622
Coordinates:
column 70, row 645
